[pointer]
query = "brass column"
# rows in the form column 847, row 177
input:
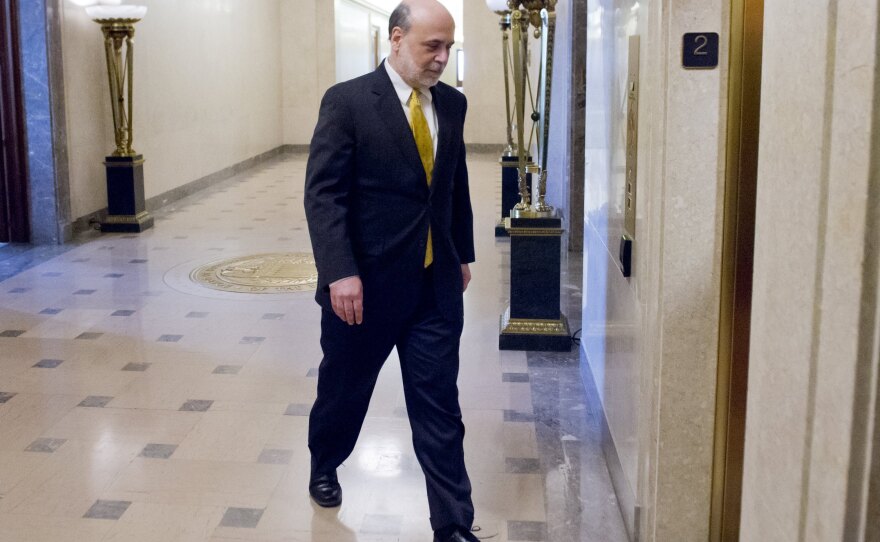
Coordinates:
column 126, row 205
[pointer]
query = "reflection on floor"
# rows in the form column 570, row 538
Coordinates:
column 135, row 405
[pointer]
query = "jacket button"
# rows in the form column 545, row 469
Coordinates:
column 422, row 243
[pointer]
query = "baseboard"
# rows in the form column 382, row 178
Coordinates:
column 89, row 221
column 626, row 498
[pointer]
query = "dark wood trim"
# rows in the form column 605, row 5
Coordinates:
column 14, row 220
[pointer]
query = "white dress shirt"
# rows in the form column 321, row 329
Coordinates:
column 404, row 92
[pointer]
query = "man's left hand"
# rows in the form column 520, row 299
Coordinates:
column 465, row 276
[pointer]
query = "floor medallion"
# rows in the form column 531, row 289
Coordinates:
column 270, row 273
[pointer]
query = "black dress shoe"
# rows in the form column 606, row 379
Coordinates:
column 459, row 535
column 325, row 490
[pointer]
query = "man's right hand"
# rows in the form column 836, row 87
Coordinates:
column 347, row 299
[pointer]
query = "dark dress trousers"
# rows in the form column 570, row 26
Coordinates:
column 369, row 208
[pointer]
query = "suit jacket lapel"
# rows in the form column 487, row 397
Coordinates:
column 444, row 134
column 392, row 115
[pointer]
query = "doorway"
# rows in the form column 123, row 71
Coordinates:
column 744, row 110
column 14, row 221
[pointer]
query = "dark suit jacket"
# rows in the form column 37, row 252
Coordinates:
column 368, row 203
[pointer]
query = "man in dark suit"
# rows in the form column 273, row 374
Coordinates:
column 391, row 225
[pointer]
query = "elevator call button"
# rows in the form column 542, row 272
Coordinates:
column 700, row 50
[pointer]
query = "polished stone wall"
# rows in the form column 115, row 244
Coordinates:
column 651, row 340
column 46, row 164
column 565, row 182
column 813, row 369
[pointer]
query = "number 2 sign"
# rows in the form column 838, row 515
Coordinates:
column 700, row 50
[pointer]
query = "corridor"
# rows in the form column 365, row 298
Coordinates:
column 137, row 405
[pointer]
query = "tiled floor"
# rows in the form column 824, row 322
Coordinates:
column 135, row 405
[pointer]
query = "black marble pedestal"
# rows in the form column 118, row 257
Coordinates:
column 509, row 190
column 126, row 207
column 534, row 321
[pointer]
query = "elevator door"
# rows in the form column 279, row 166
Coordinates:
column 744, row 107
column 13, row 183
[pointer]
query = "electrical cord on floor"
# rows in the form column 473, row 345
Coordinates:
column 574, row 337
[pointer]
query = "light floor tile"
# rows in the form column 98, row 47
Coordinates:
column 228, row 436
column 39, row 528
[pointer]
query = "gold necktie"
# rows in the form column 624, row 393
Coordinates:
column 425, row 144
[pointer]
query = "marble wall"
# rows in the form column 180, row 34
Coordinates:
column 484, row 77
column 207, row 93
column 308, row 64
column 46, row 164
column 565, row 179
column 651, row 340
column 813, row 362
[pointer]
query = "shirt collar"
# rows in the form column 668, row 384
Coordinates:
column 403, row 90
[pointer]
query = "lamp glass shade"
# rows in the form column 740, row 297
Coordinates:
column 116, row 12
column 497, row 5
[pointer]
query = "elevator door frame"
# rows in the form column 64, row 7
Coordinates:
column 744, row 105
column 14, row 219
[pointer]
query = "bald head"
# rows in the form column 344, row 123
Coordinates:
column 402, row 15
column 421, row 33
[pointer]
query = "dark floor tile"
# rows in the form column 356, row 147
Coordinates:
column 122, row 313
column 275, row 457
column 6, row 396
column 298, row 409
column 158, row 451
column 169, row 338
column 242, row 518
column 12, row 333
column 195, row 314
column 227, row 370
column 19, row 290
column 381, row 524
column 515, row 377
column 114, row 275
column 251, row 340
column 45, row 445
column 138, row 261
column 517, row 416
column 196, row 405
column 107, row 510
column 136, row 367
column 95, row 401
column 84, row 292
column 51, row 311
column 273, row 316
column 313, row 373
column 522, row 465
column 89, row 336
column 48, row 363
